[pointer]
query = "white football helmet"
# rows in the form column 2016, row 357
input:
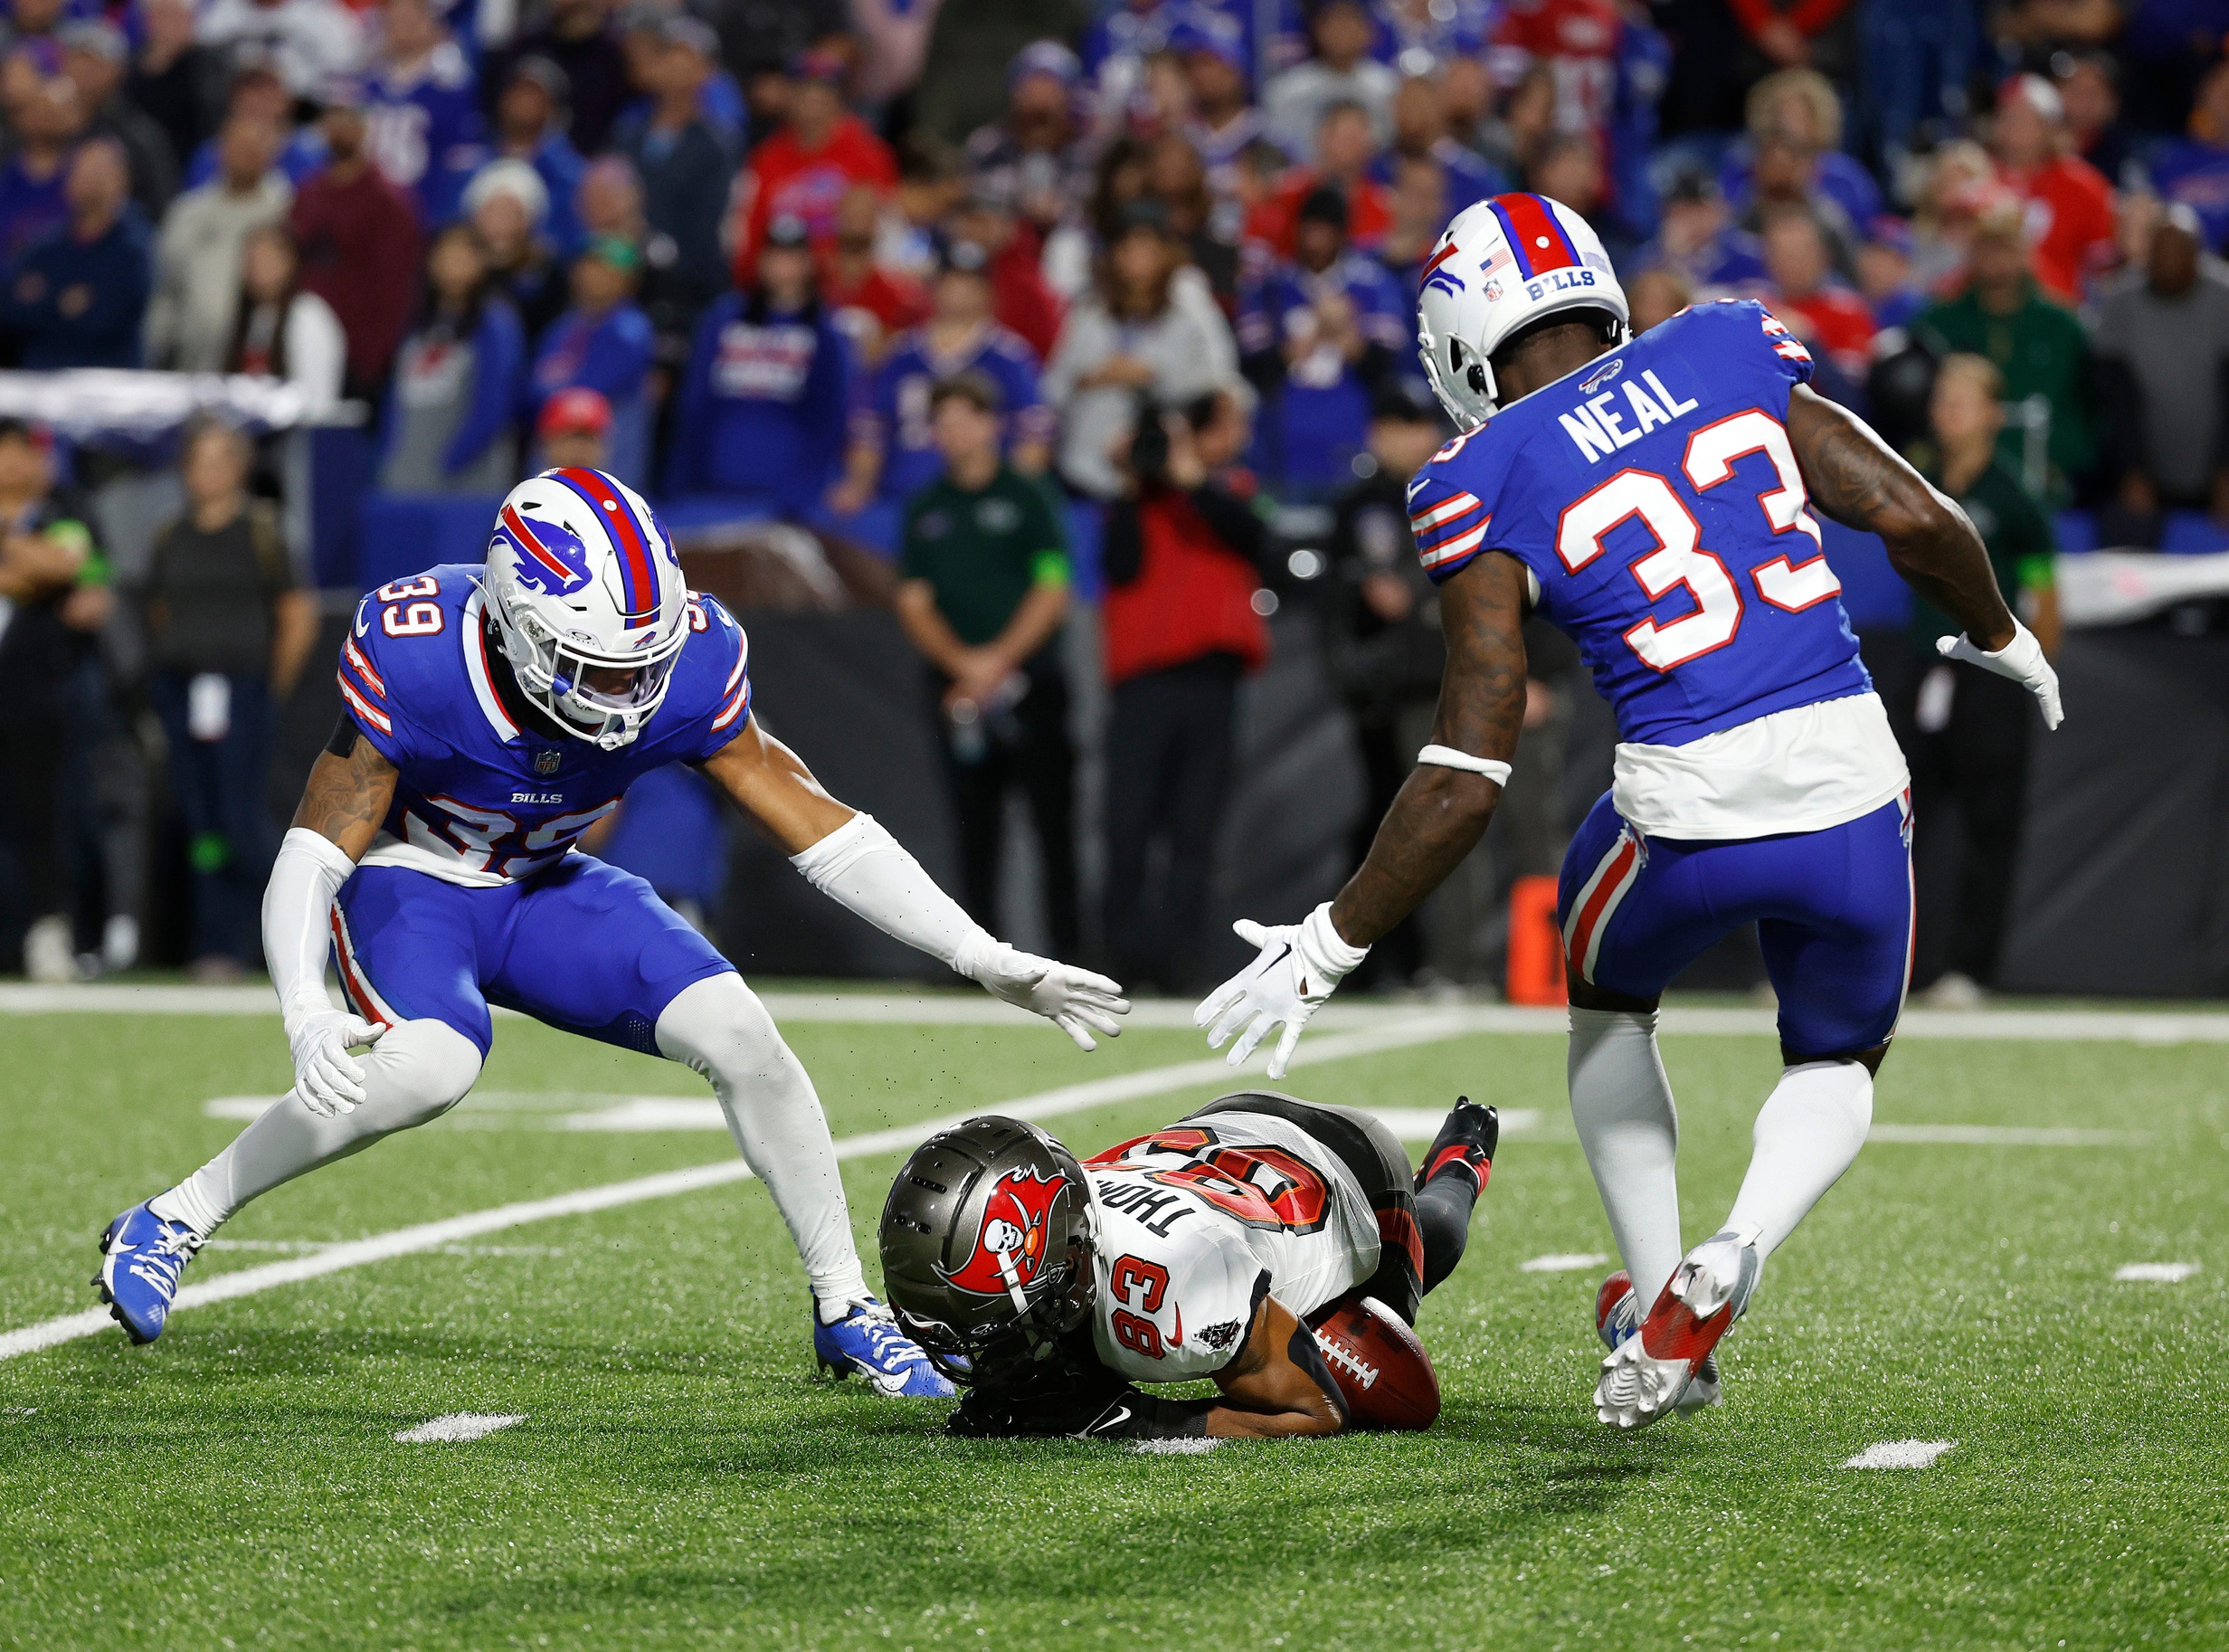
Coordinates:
column 1502, row 265
column 582, row 578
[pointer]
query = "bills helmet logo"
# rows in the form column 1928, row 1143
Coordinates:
column 1437, row 275
column 1009, row 1253
column 552, row 559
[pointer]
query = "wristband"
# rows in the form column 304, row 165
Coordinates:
column 1325, row 955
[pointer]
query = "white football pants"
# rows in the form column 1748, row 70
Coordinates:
column 420, row 1069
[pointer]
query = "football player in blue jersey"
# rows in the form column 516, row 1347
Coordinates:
column 1652, row 498
column 493, row 714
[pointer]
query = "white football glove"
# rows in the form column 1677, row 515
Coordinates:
column 328, row 1079
column 1299, row 965
column 2022, row 660
column 1074, row 1000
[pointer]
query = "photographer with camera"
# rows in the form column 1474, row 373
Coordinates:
column 1180, row 555
column 984, row 593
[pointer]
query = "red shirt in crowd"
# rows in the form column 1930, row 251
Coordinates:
column 873, row 305
column 1578, row 39
column 359, row 241
column 2070, row 220
column 1276, row 219
column 783, row 177
column 1831, row 318
column 1021, row 300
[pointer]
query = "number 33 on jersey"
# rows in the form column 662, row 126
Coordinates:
column 1655, row 500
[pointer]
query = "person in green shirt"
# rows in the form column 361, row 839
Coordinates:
column 983, row 594
column 2038, row 347
column 1966, row 732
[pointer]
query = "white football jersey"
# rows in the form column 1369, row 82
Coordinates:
column 1198, row 1222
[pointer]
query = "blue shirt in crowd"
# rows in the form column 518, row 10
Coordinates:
column 2197, row 174
column 763, row 405
column 894, row 409
column 1319, row 418
column 29, row 208
column 425, row 130
column 610, row 355
column 78, row 303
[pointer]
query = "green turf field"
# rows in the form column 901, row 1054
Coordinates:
column 681, row 1478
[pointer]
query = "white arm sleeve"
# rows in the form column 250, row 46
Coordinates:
column 306, row 875
column 862, row 865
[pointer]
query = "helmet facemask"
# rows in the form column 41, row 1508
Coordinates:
column 551, row 671
column 1000, row 1350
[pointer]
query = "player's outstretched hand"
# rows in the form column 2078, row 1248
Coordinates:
column 328, row 1079
column 2022, row 660
column 1076, row 1001
column 1298, row 969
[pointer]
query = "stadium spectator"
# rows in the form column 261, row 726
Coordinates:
column 1341, row 70
column 55, row 581
column 529, row 125
column 1175, row 178
column 964, row 80
column 572, row 428
column 1131, row 334
column 1802, row 293
column 1958, row 187
column 422, row 109
column 1568, row 168
column 1885, row 278
column 1697, row 238
column 1125, row 38
column 1508, row 137
column 1800, row 107
column 228, row 631
column 308, row 41
column 2036, row 343
column 762, row 409
column 983, row 596
column 1419, row 205
column 46, row 124
column 1420, row 133
column 1343, row 150
column 603, row 343
column 930, row 189
column 610, row 200
column 79, row 296
column 1224, row 122
column 1967, row 731
column 358, row 235
column 1020, row 298
column 1319, row 337
column 686, row 163
column 282, row 332
column 893, row 452
column 177, row 80
column 448, row 422
column 508, row 203
column 2090, row 93
column 2071, row 203
column 802, row 171
column 872, row 302
column 95, row 56
column 1798, row 34
column 1918, row 60
column 197, row 290
column 1655, row 294
column 2195, row 171
column 578, row 39
column 2163, row 332
column 1034, row 157
column 258, row 93
column 1180, row 555
column 1576, row 42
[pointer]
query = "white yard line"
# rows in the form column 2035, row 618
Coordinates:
column 963, row 1009
column 1563, row 1262
column 2006, row 1136
column 1900, row 1454
column 454, row 1428
column 2155, row 1273
column 1430, row 1027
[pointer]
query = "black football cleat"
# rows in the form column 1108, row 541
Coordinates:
column 1464, row 1145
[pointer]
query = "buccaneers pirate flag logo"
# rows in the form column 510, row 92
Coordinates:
column 1009, row 1253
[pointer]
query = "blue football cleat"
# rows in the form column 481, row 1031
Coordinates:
column 142, row 1256
column 868, row 1341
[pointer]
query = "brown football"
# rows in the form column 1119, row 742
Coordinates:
column 1381, row 1368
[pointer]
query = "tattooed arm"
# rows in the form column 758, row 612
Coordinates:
column 1856, row 479
column 350, row 786
column 1440, row 814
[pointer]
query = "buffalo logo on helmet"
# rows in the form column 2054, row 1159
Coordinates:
column 1009, row 1248
column 1436, row 274
column 552, row 558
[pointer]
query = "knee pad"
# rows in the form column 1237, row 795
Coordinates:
column 719, row 1027
column 416, row 1073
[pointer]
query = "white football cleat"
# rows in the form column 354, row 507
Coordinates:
column 1666, row 1365
column 1617, row 1315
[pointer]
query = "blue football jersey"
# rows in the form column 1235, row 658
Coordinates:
column 1655, row 498
column 482, row 799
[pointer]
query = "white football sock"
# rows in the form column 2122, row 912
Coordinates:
column 1807, row 1133
column 1621, row 1105
column 718, row 1027
column 416, row 1073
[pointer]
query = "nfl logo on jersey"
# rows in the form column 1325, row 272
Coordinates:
column 546, row 762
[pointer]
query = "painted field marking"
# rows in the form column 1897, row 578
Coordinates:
column 2155, row 1273
column 961, row 1008
column 1427, row 1028
column 1900, row 1454
column 1175, row 1447
column 1563, row 1262
column 454, row 1428
column 2005, row 1135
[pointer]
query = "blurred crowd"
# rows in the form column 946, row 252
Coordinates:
column 967, row 281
